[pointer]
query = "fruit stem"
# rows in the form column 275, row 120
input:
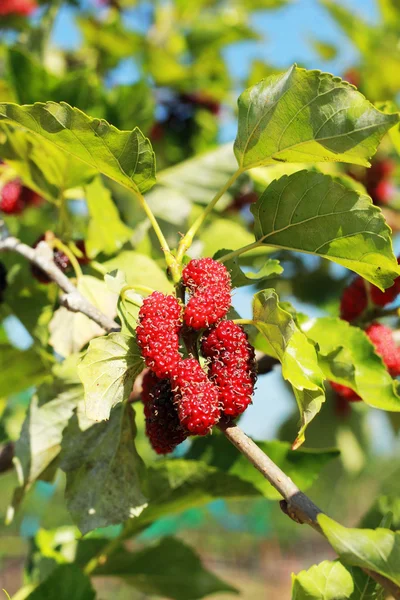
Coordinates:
column 240, row 251
column 56, row 243
column 244, row 322
column 187, row 239
column 170, row 259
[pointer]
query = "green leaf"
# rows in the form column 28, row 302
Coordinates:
column 40, row 164
column 170, row 569
column 225, row 233
column 240, row 278
column 383, row 506
column 106, row 232
column 103, row 470
column 377, row 550
column 314, row 213
column 302, row 466
column 65, row 583
column 175, row 485
column 71, row 331
column 140, row 269
column 307, row 116
column 124, row 156
column 329, row 580
column 347, row 356
column 295, row 352
column 19, row 369
column 108, row 370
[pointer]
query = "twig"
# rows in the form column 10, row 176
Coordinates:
column 72, row 298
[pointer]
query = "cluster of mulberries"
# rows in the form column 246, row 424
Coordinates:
column 377, row 180
column 180, row 397
column 15, row 197
column 385, row 345
column 354, row 300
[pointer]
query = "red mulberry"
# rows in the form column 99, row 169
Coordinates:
column 163, row 427
column 158, row 333
column 11, row 201
column 382, row 338
column 232, row 366
column 196, row 397
column 209, row 284
column 345, row 392
column 17, row 7
column 355, row 300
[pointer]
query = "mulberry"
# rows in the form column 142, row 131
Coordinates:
column 17, row 7
column 163, row 427
column 196, row 397
column 232, row 366
column 209, row 284
column 382, row 338
column 159, row 324
column 11, row 201
column 345, row 392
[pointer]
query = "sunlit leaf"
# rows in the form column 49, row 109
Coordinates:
column 348, row 357
column 307, row 116
column 296, row 353
column 314, row 213
column 108, row 371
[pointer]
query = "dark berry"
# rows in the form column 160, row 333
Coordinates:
column 209, row 284
column 11, row 201
column 242, row 200
column 196, row 397
column 159, row 324
column 232, row 366
column 385, row 345
column 202, row 100
column 382, row 192
column 163, row 427
column 354, row 300
column 83, row 259
column 61, row 260
column 30, row 198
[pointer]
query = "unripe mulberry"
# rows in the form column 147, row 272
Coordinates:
column 196, row 397
column 159, row 324
column 209, row 284
column 382, row 338
column 232, row 366
column 11, row 201
column 345, row 392
column 163, row 427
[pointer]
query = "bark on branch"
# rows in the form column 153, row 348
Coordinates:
column 72, row 298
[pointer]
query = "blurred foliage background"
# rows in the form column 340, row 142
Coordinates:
column 175, row 68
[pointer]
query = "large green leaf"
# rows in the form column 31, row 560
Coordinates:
column 297, row 355
column 125, row 156
column 170, row 569
column 71, row 331
column 314, row 213
column 106, row 232
column 307, row 116
column 302, row 466
column 374, row 549
column 331, row 580
column 347, row 356
column 65, row 583
column 108, row 370
column 103, row 470
column 175, row 485
column 327, row 581
column 19, row 369
column 40, row 164
column 140, row 269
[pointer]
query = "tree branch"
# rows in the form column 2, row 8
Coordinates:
column 72, row 299
column 295, row 503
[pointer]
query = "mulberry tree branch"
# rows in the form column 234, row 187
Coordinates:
column 72, row 298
